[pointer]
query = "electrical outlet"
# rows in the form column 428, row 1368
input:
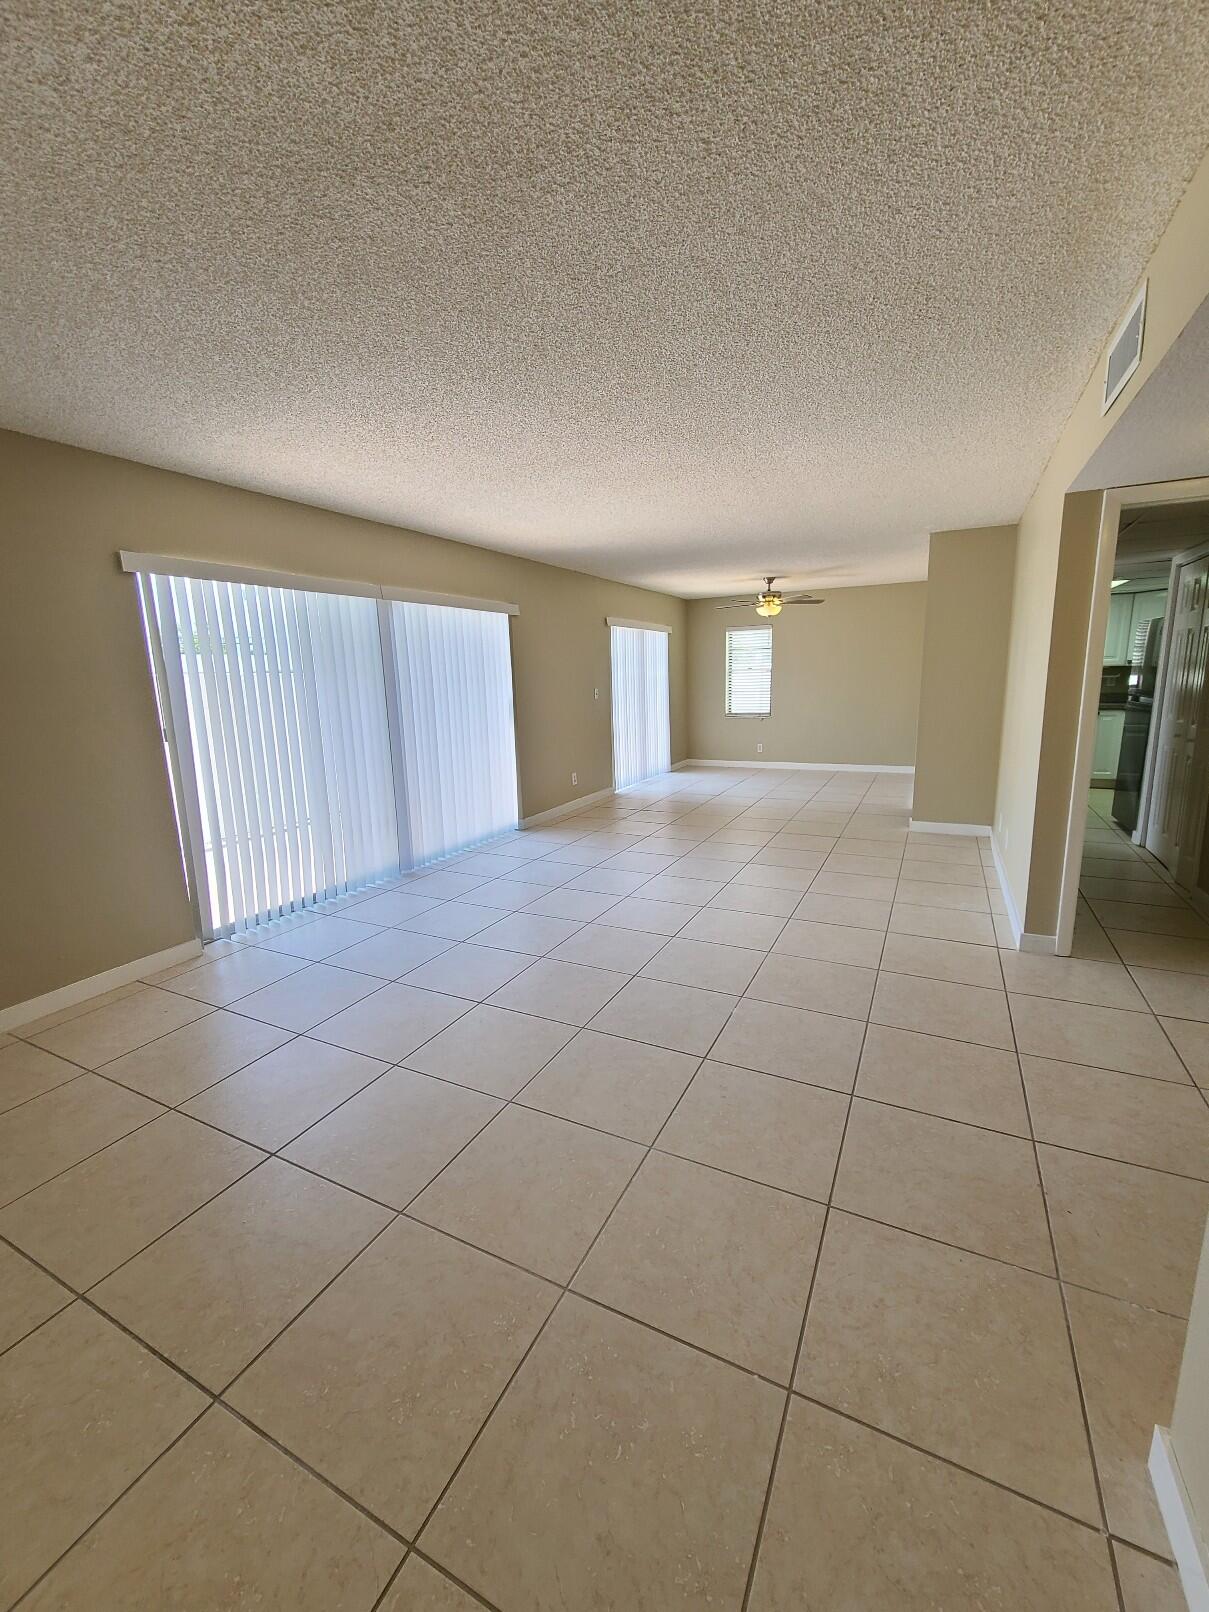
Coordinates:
column 574, row 777
column 759, row 749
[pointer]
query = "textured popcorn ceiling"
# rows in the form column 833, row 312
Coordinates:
column 677, row 293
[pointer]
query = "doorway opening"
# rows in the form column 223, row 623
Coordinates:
column 1137, row 858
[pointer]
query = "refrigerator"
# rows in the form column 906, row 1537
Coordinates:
column 1135, row 733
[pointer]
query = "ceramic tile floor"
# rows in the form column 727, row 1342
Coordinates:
column 685, row 1204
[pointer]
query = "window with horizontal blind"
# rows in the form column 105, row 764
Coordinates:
column 748, row 671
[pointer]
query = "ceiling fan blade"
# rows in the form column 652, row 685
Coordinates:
column 736, row 604
column 803, row 601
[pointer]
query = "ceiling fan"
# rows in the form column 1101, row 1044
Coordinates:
column 770, row 602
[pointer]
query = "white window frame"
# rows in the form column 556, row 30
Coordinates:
column 726, row 668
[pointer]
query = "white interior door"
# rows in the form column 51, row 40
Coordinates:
column 642, row 737
column 1177, row 814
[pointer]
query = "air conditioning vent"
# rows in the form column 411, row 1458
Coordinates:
column 1125, row 354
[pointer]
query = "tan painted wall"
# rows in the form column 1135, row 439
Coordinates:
column 91, row 873
column 966, row 633
column 1190, row 1419
column 845, row 680
column 1032, row 808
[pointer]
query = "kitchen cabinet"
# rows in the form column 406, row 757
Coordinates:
column 1147, row 607
column 1117, row 636
column 1109, row 725
column 1126, row 613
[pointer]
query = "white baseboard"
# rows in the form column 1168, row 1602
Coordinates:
column 1188, row 1545
column 567, row 808
column 1013, row 917
column 983, row 829
column 68, row 995
column 1042, row 945
column 798, row 766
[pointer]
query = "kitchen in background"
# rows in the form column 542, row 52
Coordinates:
column 1131, row 655
column 1150, row 770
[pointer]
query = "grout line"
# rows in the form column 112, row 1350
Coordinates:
column 652, row 1147
column 958, row 1466
column 117, row 1499
column 1070, row 1335
column 565, row 1289
column 797, row 1357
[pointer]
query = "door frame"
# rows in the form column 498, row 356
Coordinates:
column 1146, row 793
column 1114, row 501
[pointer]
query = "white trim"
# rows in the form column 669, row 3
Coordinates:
column 455, row 601
column 172, row 565
column 1115, row 499
column 80, row 990
column 1044, row 945
column 1188, row 1544
column 567, row 809
column 1013, row 917
column 642, row 626
column 982, row 829
column 1085, row 736
column 1125, row 376
column 799, row 766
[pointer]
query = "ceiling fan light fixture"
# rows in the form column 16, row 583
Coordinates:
column 768, row 604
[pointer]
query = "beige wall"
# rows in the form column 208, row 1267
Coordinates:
column 92, row 875
column 1031, row 809
column 970, row 577
column 1190, row 1419
column 845, row 680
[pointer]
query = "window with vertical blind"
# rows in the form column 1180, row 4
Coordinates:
column 748, row 671
column 642, row 739
column 454, row 679
column 282, row 760
column 319, row 741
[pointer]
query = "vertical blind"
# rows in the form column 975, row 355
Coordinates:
column 748, row 671
column 454, row 672
column 277, row 707
column 642, row 742
column 319, row 741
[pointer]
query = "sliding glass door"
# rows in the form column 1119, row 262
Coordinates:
column 320, row 741
column 642, row 742
column 453, row 671
column 280, row 741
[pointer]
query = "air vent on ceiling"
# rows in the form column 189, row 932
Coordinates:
column 1125, row 353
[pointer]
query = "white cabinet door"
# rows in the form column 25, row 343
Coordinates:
column 1116, row 639
column 1109, row 725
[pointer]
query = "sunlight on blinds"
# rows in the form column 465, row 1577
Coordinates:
column 748, row 671
column 641, row 724
column 454, row 670
column 282, row 751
